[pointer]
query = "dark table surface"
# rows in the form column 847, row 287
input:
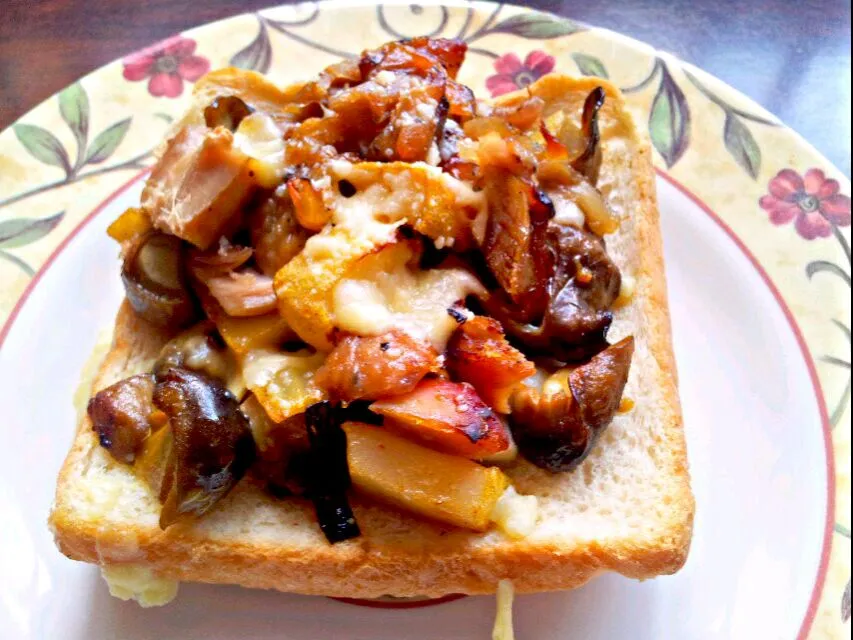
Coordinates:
column 791, row 56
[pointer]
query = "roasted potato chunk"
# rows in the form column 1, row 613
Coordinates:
column 445, row 488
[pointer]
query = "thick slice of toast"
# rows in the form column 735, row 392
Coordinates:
column 628, row 508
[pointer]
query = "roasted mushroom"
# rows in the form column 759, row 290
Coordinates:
column 556, row 432
column 155, row 281
column 585, row 284
column 226, row 111
column 121, row 415
column 213, row 445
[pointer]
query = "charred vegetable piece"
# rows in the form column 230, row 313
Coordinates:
column 585, row 285
column 120, row 415
column 275, row 232
column 226, row 111
column 450, row 53
column 442, row 487
column 367, row 368
column 155, row 282
column 556, row 432
column 200, row 349
column 329, row 474
column 479, row 353
column 449, row 417
column 213, row 445
column 588, row 162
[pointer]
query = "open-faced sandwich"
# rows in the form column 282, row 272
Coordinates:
column 382, row 338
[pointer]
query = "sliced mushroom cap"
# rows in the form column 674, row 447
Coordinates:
column 155, row 281
column 213, row 444
column 556, row 432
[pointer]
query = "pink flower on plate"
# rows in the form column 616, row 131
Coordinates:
column 167, row 64
column 513, row 74
column 812, row 201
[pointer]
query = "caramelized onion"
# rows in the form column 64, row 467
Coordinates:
column 589, row 161
column 225, row 259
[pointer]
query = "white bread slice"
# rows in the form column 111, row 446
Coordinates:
column 627, row 509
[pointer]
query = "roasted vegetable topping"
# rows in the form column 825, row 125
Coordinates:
column 557, row 431
column 121, row 415
column 442, row 487
column 375, row 245
column 589, row 162
column 213, row 445
column 329, row 475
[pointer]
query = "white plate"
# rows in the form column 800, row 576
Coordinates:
column 760, row 518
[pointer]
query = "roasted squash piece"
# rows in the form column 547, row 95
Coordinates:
column 304, row 286
column 445, row 488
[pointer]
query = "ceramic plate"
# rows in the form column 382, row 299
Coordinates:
column 757, row 232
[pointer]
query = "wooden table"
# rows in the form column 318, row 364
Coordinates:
column 791, row 56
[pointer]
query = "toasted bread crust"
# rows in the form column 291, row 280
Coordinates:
column 398, row 554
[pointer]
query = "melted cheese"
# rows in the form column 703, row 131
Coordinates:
column 393, row 294
column 503, row 616
column 129, row 582
column 515, row 514
column 283, row 382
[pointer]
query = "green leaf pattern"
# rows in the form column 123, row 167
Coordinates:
column 74, row 109
column 43, row 146
column 106, row 142
column 537, row 26
column 669, row 119
column 590, row 65
column 19, row 232
column 742, row 145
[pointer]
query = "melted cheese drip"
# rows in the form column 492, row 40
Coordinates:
column 128, row 582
